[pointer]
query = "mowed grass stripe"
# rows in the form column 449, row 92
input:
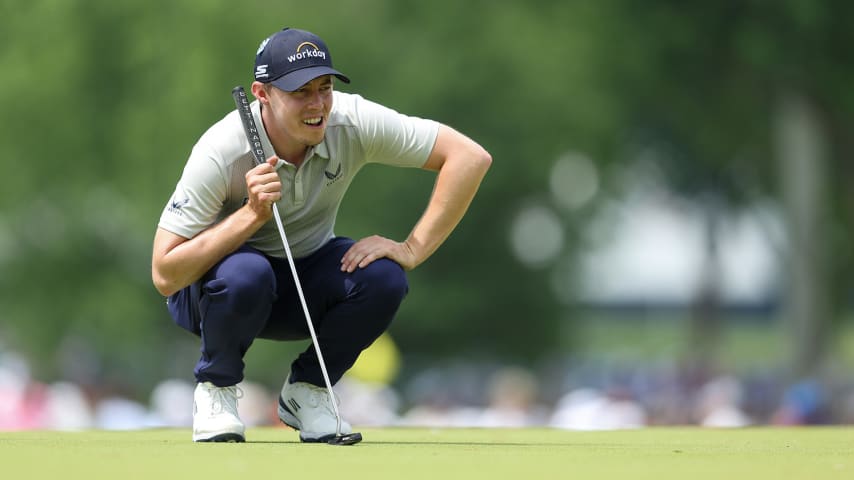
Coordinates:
column 414, row 453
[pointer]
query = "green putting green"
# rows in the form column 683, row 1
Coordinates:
column 438, row 454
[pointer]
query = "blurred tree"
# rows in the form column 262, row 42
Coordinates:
column 104, row 100
column 702, row 84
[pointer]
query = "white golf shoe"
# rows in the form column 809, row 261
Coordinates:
column 215, row 416
column 308, row 408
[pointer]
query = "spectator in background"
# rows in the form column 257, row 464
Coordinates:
column 804, row 403
column 719, row 404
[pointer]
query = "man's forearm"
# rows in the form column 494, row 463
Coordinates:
column 456, row 184
column 177, row 266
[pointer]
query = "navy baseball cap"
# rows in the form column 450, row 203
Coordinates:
column 290, row 58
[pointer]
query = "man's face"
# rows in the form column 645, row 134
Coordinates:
column 302, row 114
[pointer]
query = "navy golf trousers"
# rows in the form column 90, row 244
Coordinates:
column 249, row 295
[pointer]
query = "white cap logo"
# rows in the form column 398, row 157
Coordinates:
column 261, row 47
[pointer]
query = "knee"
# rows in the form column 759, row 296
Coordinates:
column 243, row 281
column 387, row 279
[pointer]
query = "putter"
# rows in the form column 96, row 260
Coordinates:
column 258, row 154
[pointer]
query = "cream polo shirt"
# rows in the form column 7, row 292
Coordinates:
column 358, row 132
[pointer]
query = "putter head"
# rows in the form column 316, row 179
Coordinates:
column 348, row 439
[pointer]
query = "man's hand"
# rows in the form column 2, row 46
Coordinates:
column 366, row 250
column 264, row 188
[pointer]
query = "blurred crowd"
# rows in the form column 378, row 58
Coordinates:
column 586, row 396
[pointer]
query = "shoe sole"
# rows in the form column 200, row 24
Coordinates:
column 223, row 438
column 288, row 418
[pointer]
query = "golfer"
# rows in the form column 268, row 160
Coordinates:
column 219, row 260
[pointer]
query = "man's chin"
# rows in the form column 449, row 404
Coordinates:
column 314, row 141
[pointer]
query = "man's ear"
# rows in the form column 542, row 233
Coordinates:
column 259, row 92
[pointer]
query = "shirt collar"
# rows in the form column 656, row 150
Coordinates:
column 320, row 150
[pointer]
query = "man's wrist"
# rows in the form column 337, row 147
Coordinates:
column 252, row 218
column 411, row 251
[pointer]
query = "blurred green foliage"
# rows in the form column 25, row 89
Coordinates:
column 103, row 100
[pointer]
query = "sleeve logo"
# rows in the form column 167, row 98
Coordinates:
column 177, row 206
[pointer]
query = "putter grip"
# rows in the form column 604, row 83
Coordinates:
column 249, row 127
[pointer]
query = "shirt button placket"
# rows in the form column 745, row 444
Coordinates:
column 299, row 194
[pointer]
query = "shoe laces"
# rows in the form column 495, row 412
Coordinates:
column 320, row 397
column 225, row 398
